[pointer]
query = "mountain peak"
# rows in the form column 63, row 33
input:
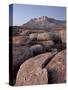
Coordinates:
column 41, row 19
column 43, row 22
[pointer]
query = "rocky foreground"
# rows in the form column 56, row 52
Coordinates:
column 43, row 69
column 39, row 55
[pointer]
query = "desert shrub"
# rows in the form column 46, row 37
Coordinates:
column 36, row 49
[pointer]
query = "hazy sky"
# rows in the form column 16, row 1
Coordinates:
column 23, row 13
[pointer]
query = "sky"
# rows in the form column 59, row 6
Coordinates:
column 23, row 13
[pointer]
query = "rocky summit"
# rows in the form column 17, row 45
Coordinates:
column 44, row 22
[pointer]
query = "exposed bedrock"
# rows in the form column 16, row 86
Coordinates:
column 42, row 69
column 57, row 68
column 31, row 71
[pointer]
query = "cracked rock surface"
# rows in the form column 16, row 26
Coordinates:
column 57, row 68
column 43, row 69
column 31, row 71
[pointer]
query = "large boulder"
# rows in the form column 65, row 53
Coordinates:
column 49, row 36
column 33, row 36
column 31, row 71
column 57, row 68
column 43, row 37
column 36, row 76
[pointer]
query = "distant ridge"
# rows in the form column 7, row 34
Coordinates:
column 44, row 22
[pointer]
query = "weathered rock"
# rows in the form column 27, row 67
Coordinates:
column 49, row 36
column 35, row 77
column 31, row 71
column 57, row 68
column 43, row 37
column 33, row 36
